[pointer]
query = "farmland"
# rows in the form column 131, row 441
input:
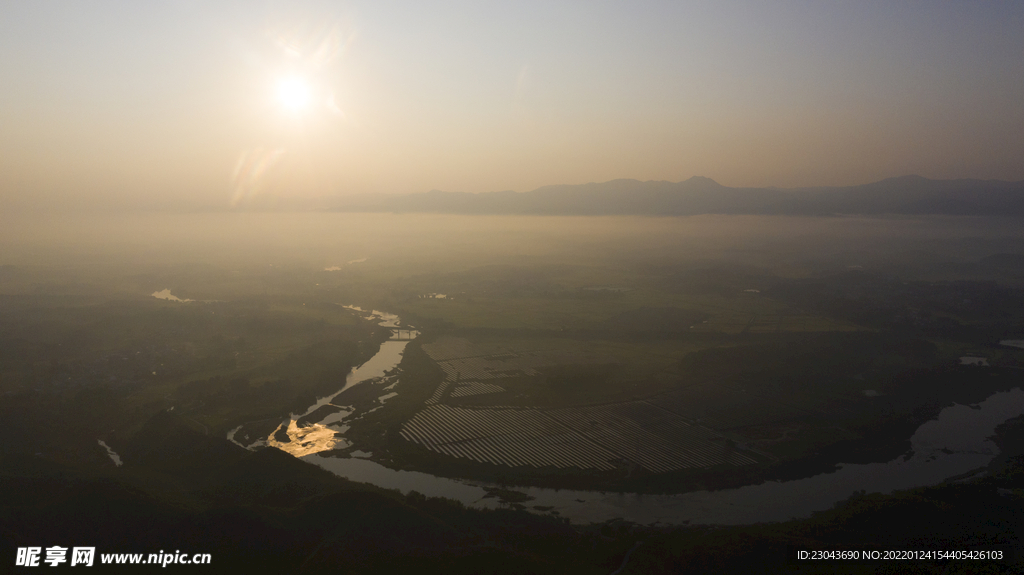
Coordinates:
column 585, row 438
column 547, row 364
column 606, row 437
column 665, row 377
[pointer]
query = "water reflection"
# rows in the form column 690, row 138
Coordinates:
column 111, row 453
column 349, row 262
column 166, row 294
column 325, row 434
column 307, row 439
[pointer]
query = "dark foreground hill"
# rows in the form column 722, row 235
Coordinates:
column 908, row 195
column 266, row 512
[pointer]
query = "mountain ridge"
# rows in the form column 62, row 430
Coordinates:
column 904, row 195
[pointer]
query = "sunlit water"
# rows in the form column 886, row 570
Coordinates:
column 323, row 435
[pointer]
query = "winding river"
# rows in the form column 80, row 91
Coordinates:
column 954, row 443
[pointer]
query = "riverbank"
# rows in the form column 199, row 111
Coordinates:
column 880, row 439
column 360, row 441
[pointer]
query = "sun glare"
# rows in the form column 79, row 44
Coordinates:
column 293, row 93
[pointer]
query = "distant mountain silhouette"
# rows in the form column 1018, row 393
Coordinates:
column 698, row 195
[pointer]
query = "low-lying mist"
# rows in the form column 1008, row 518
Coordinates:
column 414, row 243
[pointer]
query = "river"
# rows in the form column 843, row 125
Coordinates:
column 954, row 443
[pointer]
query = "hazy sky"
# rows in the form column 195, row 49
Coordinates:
column 209, row 103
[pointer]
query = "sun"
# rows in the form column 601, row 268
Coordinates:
column 293, row 93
